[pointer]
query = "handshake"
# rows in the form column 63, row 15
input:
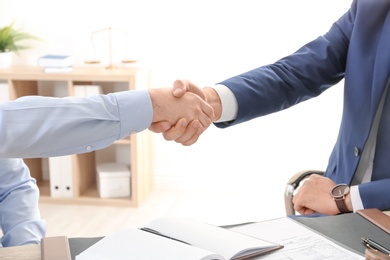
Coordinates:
column 184, row 112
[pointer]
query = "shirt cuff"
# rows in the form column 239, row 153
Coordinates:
column 135, row 111
column 356, row 199
column 229, row 103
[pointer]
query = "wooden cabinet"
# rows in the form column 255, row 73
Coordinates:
column 136, row 150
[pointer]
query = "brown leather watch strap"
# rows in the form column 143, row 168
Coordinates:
column 340, row 202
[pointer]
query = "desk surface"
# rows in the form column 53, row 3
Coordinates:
column 29, row 252
column 347, row 230
column 33, row 252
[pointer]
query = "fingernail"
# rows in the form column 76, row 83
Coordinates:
column 196, row 124
column 184, row 123
column 177, row 92
column 166, row 126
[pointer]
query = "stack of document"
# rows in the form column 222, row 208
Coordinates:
column 56, row 63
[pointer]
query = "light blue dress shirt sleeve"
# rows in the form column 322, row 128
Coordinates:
column 20, row 220
column 37, row 126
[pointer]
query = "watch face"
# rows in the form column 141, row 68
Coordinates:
column 340, row 190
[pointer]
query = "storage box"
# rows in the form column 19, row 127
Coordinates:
column 113, row 180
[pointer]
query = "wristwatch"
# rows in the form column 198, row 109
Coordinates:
column 338, row 193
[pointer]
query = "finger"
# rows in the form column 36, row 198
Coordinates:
column 192, row 140
column 181, row 86
column 207, row 119
column 160, row 127
column 204, row 121
column 305, row 211
column 206, row 116
column 302, row 209
column 191, row 133
column 177, row 130
column 308, row 211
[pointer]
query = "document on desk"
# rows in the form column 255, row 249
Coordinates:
column 178, row 238
column 300, row 242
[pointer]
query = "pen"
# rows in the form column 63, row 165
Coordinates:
column 374, row 245
column 160, row 234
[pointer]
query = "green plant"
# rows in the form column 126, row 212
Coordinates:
column 11, row 38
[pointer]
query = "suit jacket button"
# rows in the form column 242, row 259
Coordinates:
column 357, row 151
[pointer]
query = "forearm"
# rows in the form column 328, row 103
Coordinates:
column 44, row 126
column 21, row 221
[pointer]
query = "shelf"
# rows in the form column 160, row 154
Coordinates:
column 89, row 197
column 44, row 188
column 125, row 141
column 78, row 74
column 135, row 150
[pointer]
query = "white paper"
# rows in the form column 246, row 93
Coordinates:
column 216, row 239
column 300, row 243
column 130, row 243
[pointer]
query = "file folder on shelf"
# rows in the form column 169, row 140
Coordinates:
column 86, row 90
column 61, row 177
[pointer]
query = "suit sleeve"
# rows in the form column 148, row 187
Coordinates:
column 373, row 194
column 300, row 76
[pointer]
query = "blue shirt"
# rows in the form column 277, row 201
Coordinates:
column 37, row 127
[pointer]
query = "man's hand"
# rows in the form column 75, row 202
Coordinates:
column 187, row 132
column 208, row 94
column 314, row 196
column 190, row 111
column 181, row 86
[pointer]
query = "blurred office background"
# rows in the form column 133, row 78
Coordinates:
column 230, row 175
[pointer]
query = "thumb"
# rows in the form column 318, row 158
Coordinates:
column 159, row 127
column 181, row 86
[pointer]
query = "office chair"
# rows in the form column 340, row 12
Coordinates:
column 292, row 185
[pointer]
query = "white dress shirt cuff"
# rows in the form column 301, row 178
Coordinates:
column 229, row 103
column 355, row 198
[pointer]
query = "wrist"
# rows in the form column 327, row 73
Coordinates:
column 340, row 193
column 212, row 98
column 158, row 109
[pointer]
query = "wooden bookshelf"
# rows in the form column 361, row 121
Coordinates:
column 22, row 81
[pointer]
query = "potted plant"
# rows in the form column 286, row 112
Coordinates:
column 10, row 43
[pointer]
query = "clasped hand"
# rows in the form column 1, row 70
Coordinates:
column 184, row 115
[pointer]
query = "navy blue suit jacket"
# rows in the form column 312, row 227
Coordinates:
column 356, row 48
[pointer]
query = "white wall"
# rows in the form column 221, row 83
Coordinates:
column 207, row 41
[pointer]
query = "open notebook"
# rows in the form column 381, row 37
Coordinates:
column 177, row 238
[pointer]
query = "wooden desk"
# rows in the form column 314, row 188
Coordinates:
column 33, row 252
column 29, row 252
